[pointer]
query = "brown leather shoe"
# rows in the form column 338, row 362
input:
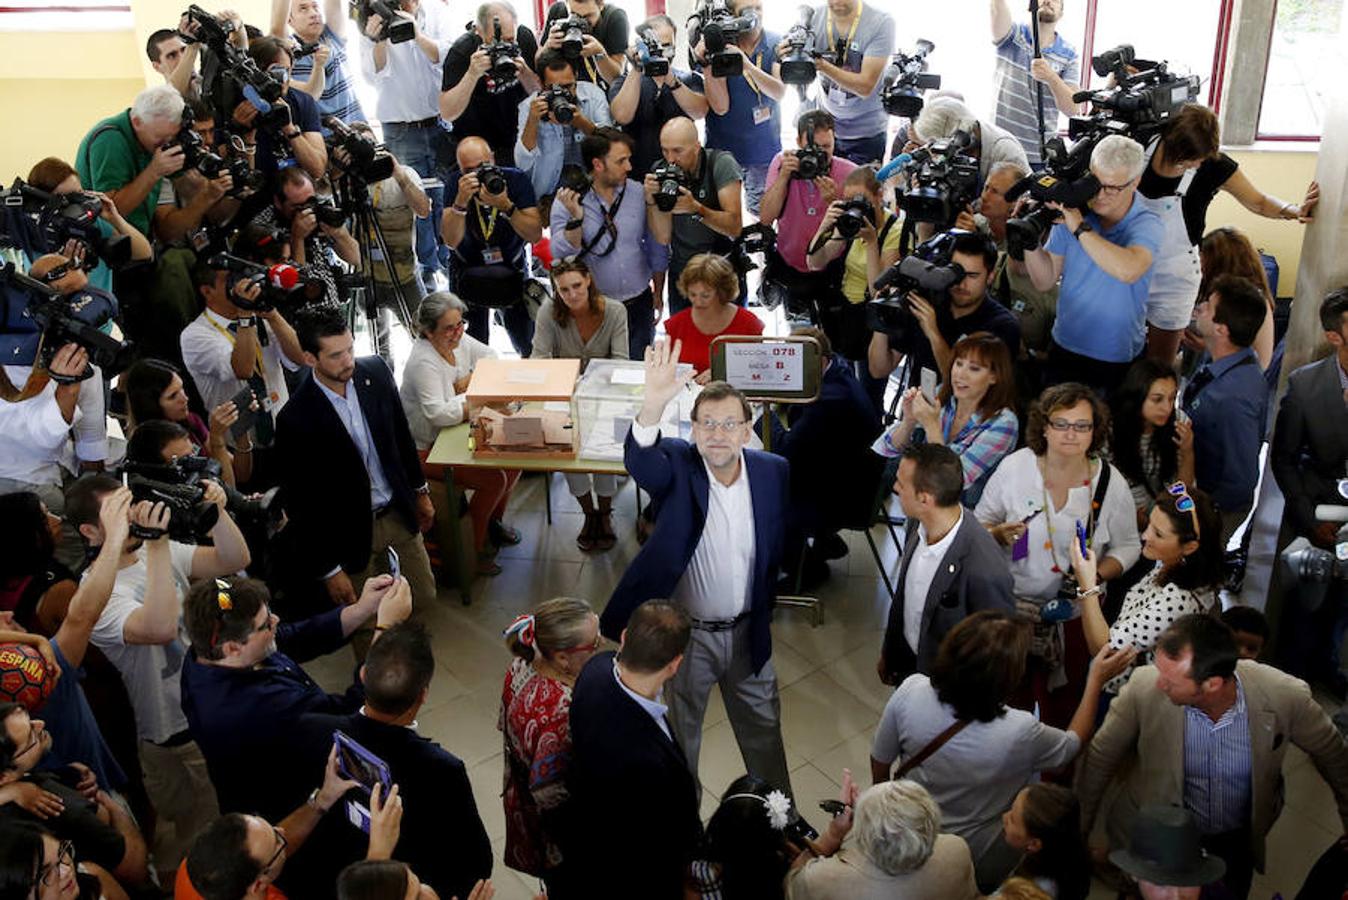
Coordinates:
column 588, row 532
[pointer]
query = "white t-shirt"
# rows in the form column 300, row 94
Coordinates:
column 975, row 776
column 207, row 351
column 150, row 671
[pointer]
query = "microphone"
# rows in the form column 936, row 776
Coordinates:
column 283, row 276
column 893, row 166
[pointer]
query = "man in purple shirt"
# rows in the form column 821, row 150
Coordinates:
column 614, row 228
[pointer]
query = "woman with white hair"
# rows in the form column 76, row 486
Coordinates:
column 432, row 392
column 897, row 850
column 943, row 116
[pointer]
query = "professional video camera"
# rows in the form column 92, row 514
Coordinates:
column 797, row 59
column 902, row 96
column 368, row 161
column 670, row 177
column 855, row 213
column 281, row 283
column 393, row 28
column 941, row 180
column 814, row 159
column 47, row 222
column 562, row 105
column 1074, row 187
column 178, row 485
column 502, row 55
column 1312, row 567
column 717, row 28
column 929, row 270
column 1144, row 96
column 573, row 29
column 652, row 58
column 754, row 239
column 229, row 76
column 50, row 320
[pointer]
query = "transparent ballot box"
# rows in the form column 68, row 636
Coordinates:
column 524, row 407
column 608, row 399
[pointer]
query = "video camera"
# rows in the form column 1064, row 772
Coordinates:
column 814, row 160
column 281, row 283
column 855, row 213
column 929, row 270
column 903, row 95
column 394, row 28
column 573, row 29
column 502, row 55
column 717, row 28
column 754, row 239
column 652, row 57
column 941, row 180
column 1143, row 99
column 562, row 106
column 797, row 60
column 58, row 319
column 670, row 177
column 229, row 76
column 178, row 485
column 49, row 221
column 1314, row 568
column 368, row 161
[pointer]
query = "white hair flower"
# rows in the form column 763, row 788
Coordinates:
column 779, row 809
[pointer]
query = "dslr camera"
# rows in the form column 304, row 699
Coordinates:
column 573, row 29
column 814, row 160
column 562, row 106
column 671, row 177
column 929, row 270
column 902, row 96
column 652, row 58
column 717, row 27
column 754, row 239
column 797, row 60
column 326, row 211
column 942, row 179
column 490, row 178
column 49, row 320
column 178, row 485
column 855, row 213
column 502, row 55
column 45, row 223
column 394, row 29
column 367, row 161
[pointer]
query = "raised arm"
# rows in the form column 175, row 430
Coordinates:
column 96, row 588
column 1001, row 20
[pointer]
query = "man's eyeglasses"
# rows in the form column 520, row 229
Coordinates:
column 281, row 846
column 728, row 425
column 1185, row 503
column 1116, row 188
column 1064, row 425
column 50, row 874
column 57, row 273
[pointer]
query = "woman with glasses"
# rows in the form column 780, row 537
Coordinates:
column 973, row 413
column 155, row 390
column 34, row 865
column 710, row 284
column 1039, row 501
column 551, row 645
column 1183, row 541
column 433, row 397
column 579, row 323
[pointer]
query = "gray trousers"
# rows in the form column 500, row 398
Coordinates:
column 751, row 702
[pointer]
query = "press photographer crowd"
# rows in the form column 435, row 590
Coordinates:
column 1044, row 372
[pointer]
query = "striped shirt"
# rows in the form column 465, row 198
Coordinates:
column 980, row 445
column 1016, row 91
column 1217, row 767
column 339, row 96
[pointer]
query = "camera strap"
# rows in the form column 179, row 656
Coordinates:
column 609, row 227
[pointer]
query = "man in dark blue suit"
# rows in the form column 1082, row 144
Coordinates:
column 715, row 551
column 349, row 473
column 633, row 798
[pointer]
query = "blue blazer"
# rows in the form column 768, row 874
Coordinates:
column 672, row 471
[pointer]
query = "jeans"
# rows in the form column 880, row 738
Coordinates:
column 640, row 323
column 417, row 147
column 755, row 183
column 861, row 150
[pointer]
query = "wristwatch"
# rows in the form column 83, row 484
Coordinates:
column 313, row 801
column 510, row 212
column 1082, row 229
column 574, row 223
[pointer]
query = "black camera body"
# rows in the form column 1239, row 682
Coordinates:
column 65, row 319
column 229, row 76
column 326, row 211
column 671, row 177
column 717, row 27
column 1144, row 99
column 562, row 105
column 797, row 59
column 929, row 270
column 268, row 277
column 573, row 28
column 394, row 29
column 178, row 485
column 490, row 178
column 814, row 160
column 902, row 96
column 50, row 221
column 942, row 179
column 1074, row 188
column 855, row 213
column 369, row 161
column 502, row 55
column 651, row 55
column 754, row 239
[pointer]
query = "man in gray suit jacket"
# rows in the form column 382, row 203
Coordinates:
column 1200, row 730
column 952, row 566
column 1309, row 457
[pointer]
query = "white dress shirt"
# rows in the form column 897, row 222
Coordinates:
column 654, row 708
column 408, row 87
column 35, row 438
column 921, row 571
column 718, row 579
column 427, row 390
column 208, row 351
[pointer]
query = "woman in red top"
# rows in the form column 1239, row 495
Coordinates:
column 551, row 646
column 709, row 283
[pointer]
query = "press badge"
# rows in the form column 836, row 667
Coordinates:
column 492, row 255
column 762, row 114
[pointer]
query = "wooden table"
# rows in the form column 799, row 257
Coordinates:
column 451, row 449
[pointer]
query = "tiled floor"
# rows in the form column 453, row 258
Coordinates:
column 831, row 698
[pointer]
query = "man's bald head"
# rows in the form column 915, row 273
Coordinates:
column 473, row 152
column 678, row 143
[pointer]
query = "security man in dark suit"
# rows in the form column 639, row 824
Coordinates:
column 1309, row 458
column 348, row 469
column 952, row 566
column 442, row 837
column 633, row 797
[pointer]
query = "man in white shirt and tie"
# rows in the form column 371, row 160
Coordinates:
column 715, row 552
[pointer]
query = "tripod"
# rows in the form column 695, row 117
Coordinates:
column 360, row 287
column 1038, row 85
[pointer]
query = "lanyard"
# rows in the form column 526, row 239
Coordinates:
column 832, row 41
column 1049, row 544
column 487, row 224
column 257, row 351
column 749, row 79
